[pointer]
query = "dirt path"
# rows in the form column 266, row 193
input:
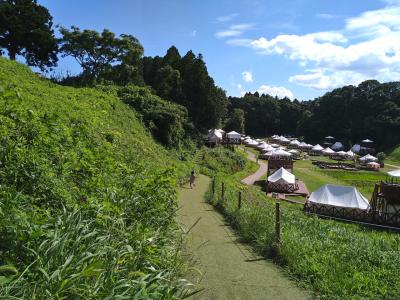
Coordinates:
column 260, row 172
column 228, row 269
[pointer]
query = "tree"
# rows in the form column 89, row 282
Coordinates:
column 236, row 121
column 26, row 29
column 98, row 54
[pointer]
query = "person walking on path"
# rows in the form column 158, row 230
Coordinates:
column 192, row 179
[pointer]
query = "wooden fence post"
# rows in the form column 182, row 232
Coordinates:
column 277, row 224
column 240, row 200
column 222, row 191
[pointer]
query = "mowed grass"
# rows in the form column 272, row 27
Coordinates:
column 314, row 177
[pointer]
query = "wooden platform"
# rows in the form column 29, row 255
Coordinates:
column 301, row 191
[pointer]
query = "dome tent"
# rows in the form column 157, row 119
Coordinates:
column 341, row 196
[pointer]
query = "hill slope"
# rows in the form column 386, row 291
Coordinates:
column 87, row 196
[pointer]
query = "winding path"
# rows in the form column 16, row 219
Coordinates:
column 227, row 268
column 260, row 172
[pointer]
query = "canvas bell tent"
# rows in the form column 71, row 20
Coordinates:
column 281, row 181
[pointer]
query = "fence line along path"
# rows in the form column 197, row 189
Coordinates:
column 250, row 180
column 227, row 268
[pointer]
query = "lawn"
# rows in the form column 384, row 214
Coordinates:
column 314, row 177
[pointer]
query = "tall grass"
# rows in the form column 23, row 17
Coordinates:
column 88, row 199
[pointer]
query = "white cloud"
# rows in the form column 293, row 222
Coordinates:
column 325, row 16
column 228, row 33
column 227, row 17
column 247, row 76
column 278, row 91
column 368, row 47
column 194, row 33
column 234, row 30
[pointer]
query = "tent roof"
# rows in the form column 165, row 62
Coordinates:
column 283, row 139
column 282, row 174
column 293, row 151
column 368, row 157
column 395, row 173
column 328, row 150
column 295, row 142
column 233, row 133
column 317, row 147
column 281, row 152
column 367, row 141
column 350, row 153
column 329, row 137
column 214, row 133
column 341, row 153
column 337, row 195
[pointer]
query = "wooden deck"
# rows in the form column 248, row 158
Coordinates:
column 301, row 191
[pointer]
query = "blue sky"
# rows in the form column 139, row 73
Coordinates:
column 297, row 48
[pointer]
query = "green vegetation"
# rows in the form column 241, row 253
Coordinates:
column 219, row 158
column 314, row 177
column 336, row 260
column 394, row 156
column 26, row 29
column 350, row 113
column 87, row 198
column 166, row 120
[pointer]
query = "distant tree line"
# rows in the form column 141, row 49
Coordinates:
column 189, row 103
column 350, row 114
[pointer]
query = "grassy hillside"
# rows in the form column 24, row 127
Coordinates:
column 87, row 197
column 394, row 156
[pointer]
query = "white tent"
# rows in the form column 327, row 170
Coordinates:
column 284, row 140
column 317, row 147
column 293, row 151
column 253, row 144
column 368, row 158
column 303, row 145
column 350, row 154
column 274, row 145
column 356, row 148
column 262, row 145
column 233, row 135
column 214, row 136
column 395, row 173
column 337, row 146
column 295, row 143
column 367, row 141
column 328, row 151
column 341, row 153
column 282, row 176
column 281, row 152
column 342, row 196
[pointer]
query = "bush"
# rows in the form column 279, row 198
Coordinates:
column 87, row 198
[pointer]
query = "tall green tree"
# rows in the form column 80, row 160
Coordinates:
column 236, row 121
column 26, row 30
column 102, row 54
